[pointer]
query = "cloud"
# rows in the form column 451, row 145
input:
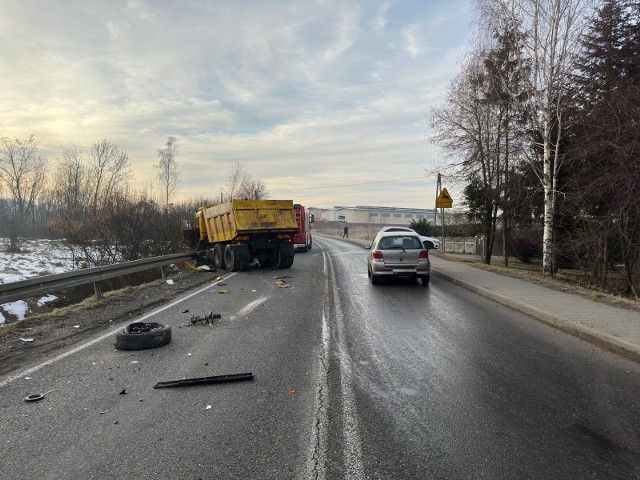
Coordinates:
column 306, row 94
column 411, row 43
column 380, row 21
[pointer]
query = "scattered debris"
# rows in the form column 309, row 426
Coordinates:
column 185, row 311
column 223, row 291
column 221, row 284
column 34, row 397
column 280, row 277
column 123, row 392
column 206, row 320
column 170, row 282
column 218, row 278
column 26, row 339
column 76, row 326
column 205, row 380
column 281, row 284
column 134, row 361
column 103, row 412
column 292, row 391
column 208, row 407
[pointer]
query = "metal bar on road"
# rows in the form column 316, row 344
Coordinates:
column 235, row 377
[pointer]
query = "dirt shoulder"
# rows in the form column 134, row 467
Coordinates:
column 68, row 326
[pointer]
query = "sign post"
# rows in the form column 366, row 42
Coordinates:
column 443, row 201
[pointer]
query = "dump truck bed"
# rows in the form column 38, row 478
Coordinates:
column 247, row 217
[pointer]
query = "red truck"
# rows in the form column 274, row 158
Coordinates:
column 302, row 240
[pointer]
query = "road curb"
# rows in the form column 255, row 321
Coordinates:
column 602, row 340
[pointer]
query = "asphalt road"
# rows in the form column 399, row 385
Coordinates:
column 351, row 381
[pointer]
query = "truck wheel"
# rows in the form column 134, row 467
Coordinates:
column 232, row 262
column 218, row 260
column 282, row 261
column 143, row 335
column 279, row 259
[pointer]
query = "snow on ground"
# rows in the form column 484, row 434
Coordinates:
column 38, row 258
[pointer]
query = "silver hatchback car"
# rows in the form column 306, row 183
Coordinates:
column 398, row 254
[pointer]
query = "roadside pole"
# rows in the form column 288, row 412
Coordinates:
column 443, row 201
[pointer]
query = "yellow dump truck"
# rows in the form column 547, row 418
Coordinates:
column 234, row 234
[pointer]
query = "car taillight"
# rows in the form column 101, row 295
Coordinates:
column 377, row 255
column 424, row 254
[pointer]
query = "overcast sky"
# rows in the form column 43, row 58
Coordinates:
column 325, row 100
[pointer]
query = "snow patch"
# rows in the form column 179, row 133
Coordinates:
column 18, row 308
column 46, row 299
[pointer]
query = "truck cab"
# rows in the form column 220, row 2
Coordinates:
column 302, row 240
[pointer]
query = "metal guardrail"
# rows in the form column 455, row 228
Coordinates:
column 10, row 292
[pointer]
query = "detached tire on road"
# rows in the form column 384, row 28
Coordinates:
column 143, row 335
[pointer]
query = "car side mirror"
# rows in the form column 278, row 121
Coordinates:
column 368, row 247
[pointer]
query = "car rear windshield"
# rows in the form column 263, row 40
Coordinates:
column 406, row 243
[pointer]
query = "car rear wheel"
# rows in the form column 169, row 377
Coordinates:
column 374, row 280
column 425, row 280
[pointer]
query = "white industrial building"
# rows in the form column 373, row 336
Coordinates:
column 374, row 215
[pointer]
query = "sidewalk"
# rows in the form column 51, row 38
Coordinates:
column 612, row 328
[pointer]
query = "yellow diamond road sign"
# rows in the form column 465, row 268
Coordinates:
column 444, row 200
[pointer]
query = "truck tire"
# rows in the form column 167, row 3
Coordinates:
column 218, row 259
column 283, row 261
column 232, row 261
column 143, row 335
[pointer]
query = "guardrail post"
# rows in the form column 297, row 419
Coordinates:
column 162, row 272
column 96, row 288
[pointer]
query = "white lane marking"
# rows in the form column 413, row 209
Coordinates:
column 316, row 460
column 352, row 451
column 350, row 425
column 102, row 337
column 246, row 310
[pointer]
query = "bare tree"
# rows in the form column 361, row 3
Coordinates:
column 551, row 31
column 72, row 189
column 109, row 167
column 22, row 173
column 168, row 173
column 241, row 184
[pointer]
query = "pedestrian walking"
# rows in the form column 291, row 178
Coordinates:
column 345, row 232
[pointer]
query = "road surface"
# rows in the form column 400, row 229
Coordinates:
column 351, row 381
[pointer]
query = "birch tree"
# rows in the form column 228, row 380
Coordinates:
column 167, row 168
column 551, row 31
